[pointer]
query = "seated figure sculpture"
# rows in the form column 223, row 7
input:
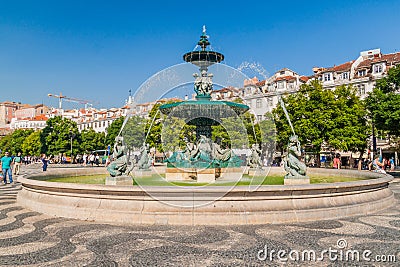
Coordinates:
column 203, row 85
column 145, row 160
column 293, row 166
column 203, row 150
column 254, row 160
column 119, row 164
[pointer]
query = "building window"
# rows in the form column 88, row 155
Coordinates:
column 269, row 101
column 280, row 85
column 258, row 103
column 378, row 68
column 259, row 117
column 362, row 73
column 282, row 72
column 291, row 85
column 327, row 77
column 345, row 75
column 361, row 89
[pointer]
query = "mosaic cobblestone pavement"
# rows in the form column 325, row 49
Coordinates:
column 32, row 239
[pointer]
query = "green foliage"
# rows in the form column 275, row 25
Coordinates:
column 57, row 136
column 113, row 131
column 237, row 132
column 231, row 133
column 32, row 144
column 383, row 103
column 134, row 132
column 13, row 141
column 319, row 116
column 268, row 134
column 173, row 133
column 153, row 127
column 91, row 140
column 350, row 129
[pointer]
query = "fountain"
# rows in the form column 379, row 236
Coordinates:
column 206, row 160
column 205, row 205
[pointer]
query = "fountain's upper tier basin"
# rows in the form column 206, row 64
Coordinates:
column 203, row 58
column 208, row 109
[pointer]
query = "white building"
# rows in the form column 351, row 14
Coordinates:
column 362, row 73
column 35, row 123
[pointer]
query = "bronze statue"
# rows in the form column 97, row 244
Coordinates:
column 294, row 167
column 119, row 164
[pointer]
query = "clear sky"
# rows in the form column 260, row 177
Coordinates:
column 99, row 50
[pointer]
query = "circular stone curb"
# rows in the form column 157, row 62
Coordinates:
column 195, row 206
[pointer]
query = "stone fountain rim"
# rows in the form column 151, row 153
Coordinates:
column 379, row 179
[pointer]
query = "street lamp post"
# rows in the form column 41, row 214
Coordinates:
column 71, row 135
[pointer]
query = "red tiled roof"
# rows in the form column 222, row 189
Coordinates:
column 223, row 90
column 285, row 78
column 260, row 83
column 37, row 118
column 304, row 78
column 251, row 81
column 389, row 58
column 343, row 67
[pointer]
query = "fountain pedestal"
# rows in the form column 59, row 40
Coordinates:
column 180, row 174
column 143, row 173
column 119, row 180
column 296, row 181
column 206, row 175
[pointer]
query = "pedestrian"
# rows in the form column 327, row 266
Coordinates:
column 92, row 159
column 6, row 163
column 391, row 164
column 45, row 161
column 97, row 159
column 17, row 163
column 336, row 162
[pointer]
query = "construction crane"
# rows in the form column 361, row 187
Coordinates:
column 62, row 97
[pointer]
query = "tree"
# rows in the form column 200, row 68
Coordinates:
column 350, row 129
column 91, row 140
column 113, row 130
column 322, row 116
column 56, row 137
column 383, row 103
column 13, row 141
column 32, row 144
column 310, row 111
column 268, row 135
column 153, row 127
column 134, row 132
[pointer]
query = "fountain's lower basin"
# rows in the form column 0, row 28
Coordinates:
column 209, row 205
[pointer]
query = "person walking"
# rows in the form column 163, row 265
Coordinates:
column 6, row 163
column 45, row 161
column 336, row 162
column 391, row 164
column 17, row 163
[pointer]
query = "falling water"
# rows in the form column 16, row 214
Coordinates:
column 259, row 69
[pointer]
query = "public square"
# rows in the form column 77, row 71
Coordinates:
column 32, row 239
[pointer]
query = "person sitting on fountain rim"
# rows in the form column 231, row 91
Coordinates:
column 377, row 165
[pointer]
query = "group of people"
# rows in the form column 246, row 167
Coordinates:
column 381, row 164
column 9, row 165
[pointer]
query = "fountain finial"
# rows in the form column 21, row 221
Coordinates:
column 203, row 43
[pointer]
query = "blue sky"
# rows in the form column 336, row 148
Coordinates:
column 99, row 50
